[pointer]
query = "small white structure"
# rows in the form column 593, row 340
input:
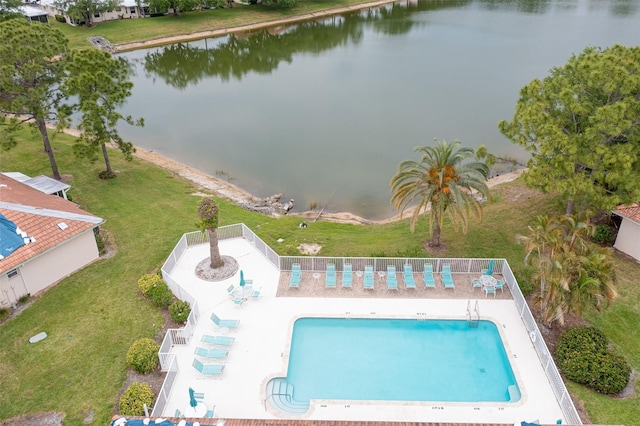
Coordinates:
column 125, row 9
column 34, row 14
column 628, row 239
column 42, row 183
column 54, row 239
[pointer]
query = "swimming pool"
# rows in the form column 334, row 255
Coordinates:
column 399, row 360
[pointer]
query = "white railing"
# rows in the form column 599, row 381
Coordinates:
column 307, row 263
column 553, row 375
column 165, row 390
column 458, row 266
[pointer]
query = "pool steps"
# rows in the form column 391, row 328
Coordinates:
column 280, row 395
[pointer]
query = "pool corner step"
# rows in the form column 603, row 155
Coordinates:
column 280, row 396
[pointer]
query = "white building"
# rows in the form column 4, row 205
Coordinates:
column 43, row 239
column 126, row 9
column 628, row 239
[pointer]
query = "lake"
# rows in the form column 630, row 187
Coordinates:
column 324, row 111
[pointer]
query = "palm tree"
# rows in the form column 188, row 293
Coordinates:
column 572, row 274
column 443, row 180
column 208, row 211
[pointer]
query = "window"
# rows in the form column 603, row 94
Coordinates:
column 12, row 273
column 132, row 10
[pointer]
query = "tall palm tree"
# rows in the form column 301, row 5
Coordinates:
column 443, row 180
column 572, row 274
column 208, row 211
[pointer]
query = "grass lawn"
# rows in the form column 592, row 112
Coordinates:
column 130, row 30
column 93, row 316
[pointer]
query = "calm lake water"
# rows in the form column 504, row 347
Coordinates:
column 324, row 111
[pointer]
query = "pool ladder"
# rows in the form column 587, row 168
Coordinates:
column 474, row 317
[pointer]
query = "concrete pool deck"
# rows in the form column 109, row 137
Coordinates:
column 261, row 347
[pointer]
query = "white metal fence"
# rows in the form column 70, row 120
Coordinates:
column 165, row 390
column 553, row 375
column 308, row 263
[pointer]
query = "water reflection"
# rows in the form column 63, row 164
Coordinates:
column 327, row 109
column 236, row 55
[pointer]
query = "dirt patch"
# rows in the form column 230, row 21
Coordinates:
column 309, row 249
column 50, row 418
column 205, row 272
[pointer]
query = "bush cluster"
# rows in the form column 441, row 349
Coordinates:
column 148, row 281
column 143, row 355
column 61, row 18
column 161, row 295
column 133, row 400
column 584, row 357
column 603, row 234
column 4, row 313
column 179, row 311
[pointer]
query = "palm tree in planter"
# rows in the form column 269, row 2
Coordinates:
column 445, row 180
column 208, row 211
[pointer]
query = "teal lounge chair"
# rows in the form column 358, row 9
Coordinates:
column 429, row 280
column 199, row 396
column 224, row 323
column 218, row 340
column 296, row 276
column 209, row 413
column 208, row 369
column 447, row 279
column 392, row 278
column 178, row 414
column 409, row 281
column 500, row 285
column 330, row 279
column 256, row 293
column 368, row 280
column 347, row 275
column 211, row 353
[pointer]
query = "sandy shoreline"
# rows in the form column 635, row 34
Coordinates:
column 231, row 192
column 222, row 31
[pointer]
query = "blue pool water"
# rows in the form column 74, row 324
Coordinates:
column 398, row 360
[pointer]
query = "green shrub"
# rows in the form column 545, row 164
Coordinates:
column 603, row 234
column 161, row 295
column 4, row 313
column 62, row 19
column 179, row 311
column 133, row 400
column 584, row 357
column 143, row 355
column 148, row 281
column 24, row 299
column 577, row 340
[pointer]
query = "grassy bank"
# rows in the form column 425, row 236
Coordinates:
column 93, row 316
column 130, row 30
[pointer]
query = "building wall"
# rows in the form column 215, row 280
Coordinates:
column 121, row 12
column 628, row 238
column 49, row 268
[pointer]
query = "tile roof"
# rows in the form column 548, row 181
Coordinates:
column 39, row 214
column 631, row 212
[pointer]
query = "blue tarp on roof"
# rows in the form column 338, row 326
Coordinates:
column 9, row 240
